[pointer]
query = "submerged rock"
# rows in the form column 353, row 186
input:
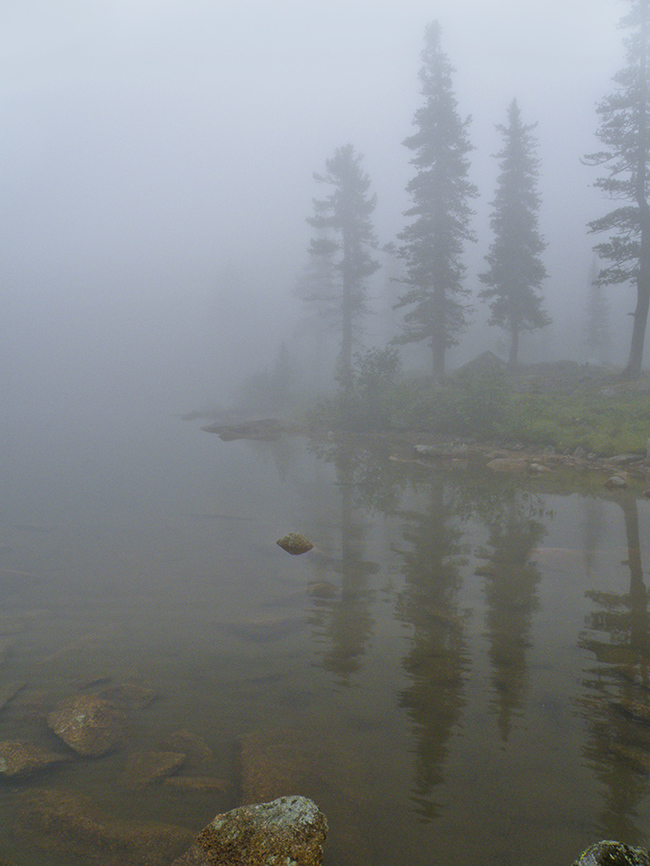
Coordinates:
column 197, row 752
column 70, row 827
column 289, row 830
column 295, row 543
column 275, row 762
column 19, row 758
column 90, row 725
column 129, row 696
column 147, row 768
column 9, row 691
column 608, row 853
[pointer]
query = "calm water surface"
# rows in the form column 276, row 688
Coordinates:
column 458, row 673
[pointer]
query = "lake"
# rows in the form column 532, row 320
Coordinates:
column 457, row 673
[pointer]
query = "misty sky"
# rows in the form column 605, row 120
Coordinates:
column 157, row 155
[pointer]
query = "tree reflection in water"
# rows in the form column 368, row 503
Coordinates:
column 616, row 705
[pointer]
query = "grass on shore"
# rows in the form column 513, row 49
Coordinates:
column 613, row 418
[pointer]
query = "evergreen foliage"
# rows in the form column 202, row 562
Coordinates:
column 625, row 134
column 432, row 244
column 516, row 271
column 598, row 336
column 341, row 249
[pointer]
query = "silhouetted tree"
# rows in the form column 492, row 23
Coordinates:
column 343, row 245
column 598, row 336
column 440, row 191
column 516, row 271
column 625, row 133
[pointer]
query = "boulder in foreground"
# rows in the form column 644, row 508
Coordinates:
column 608, row 853
column 289, row 830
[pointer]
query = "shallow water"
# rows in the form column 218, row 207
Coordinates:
column 458, row 672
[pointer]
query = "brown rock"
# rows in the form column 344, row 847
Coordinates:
column 71, row 828
column 129, row 696
column 88, row 724
column 195, row 748
column 288, row 830
column 150, row 767
column 295, row 543
column 19, row 758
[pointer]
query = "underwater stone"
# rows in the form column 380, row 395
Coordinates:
column 70, row 827
column 19, row 759
column 289, row 830
column 295, row 543
column 88, row 724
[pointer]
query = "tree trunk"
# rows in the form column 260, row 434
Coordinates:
column 346, row 321
column 643, row 280
column 513, row 357
column 633, row 368
column 438, row 343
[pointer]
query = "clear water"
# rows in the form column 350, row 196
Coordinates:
column 457, row 671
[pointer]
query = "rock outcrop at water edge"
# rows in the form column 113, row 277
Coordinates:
column 609, row 853
column 289, row 830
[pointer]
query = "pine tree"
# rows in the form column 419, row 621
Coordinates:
column 343, row 244
column 598, row 336
column 432, row 244
column 515, row 271
column 625, row 133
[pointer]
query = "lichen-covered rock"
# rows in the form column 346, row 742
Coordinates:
column 88, row 724
column 19, row 758
column 147, row 768
column 289, row 830
column 71, row 828
column 608, row 853
column 295, row 543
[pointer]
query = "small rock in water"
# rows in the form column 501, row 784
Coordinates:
column 616, row 482
column 295, row 543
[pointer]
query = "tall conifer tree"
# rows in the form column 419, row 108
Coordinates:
column 343, row 243
column 432, row 244
column 515, row 269
column 625, row 134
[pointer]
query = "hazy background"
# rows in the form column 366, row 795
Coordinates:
column 156, row 163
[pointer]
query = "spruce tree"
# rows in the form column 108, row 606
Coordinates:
column 432, row 244
column 598, row 337
column 515, row 269
column 625, row 134
column 343, row 243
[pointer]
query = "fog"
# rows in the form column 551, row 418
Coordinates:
column 156, row 172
